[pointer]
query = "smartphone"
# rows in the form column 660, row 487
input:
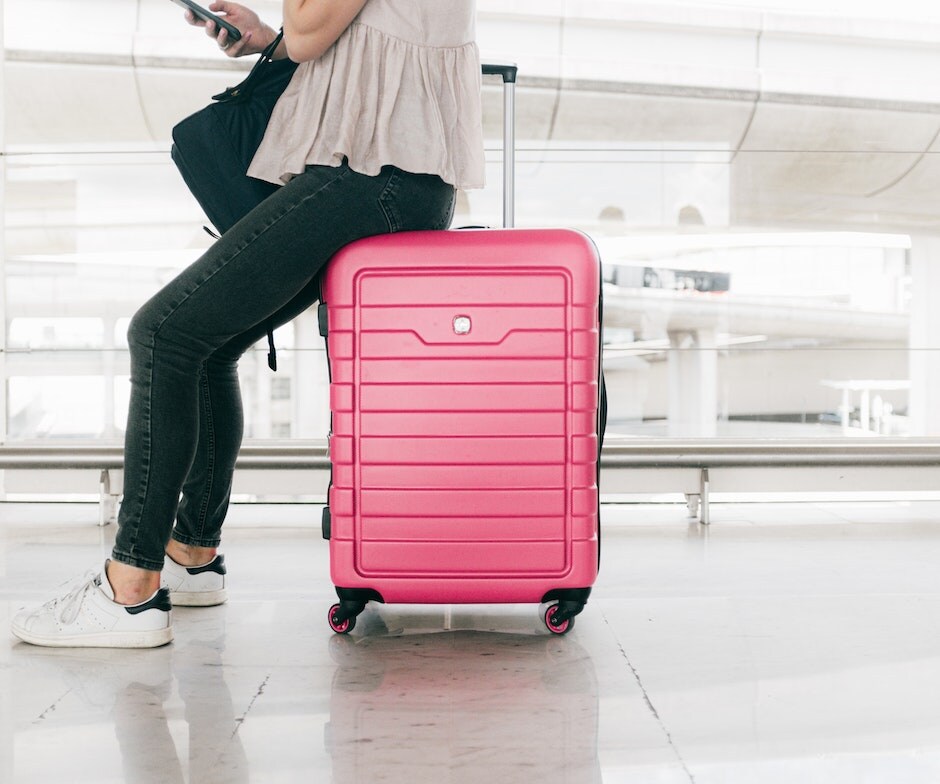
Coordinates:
column 208, row 16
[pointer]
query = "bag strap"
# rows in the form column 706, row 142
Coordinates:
column 267, row 56
column 236, row 93
column 271, row 48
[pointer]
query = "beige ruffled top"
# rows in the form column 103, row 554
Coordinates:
column 401, row 86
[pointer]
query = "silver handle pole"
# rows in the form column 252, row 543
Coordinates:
column 509, row 154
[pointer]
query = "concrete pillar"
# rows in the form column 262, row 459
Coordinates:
column 924, row 342
column 693, row 383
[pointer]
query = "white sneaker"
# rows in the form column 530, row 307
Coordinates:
column 88, row 617
column 195, row 586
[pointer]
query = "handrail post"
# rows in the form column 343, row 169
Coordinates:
column 107, row 502
column 705, row 516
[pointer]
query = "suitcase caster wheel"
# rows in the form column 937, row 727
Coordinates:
column 339, row 624
column 556, row 626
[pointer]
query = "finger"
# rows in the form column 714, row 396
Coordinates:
column 211, row 30
column 239, row 47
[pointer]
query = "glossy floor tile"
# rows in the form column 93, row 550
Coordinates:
column 785, row 643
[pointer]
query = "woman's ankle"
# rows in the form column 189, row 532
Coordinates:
column 190, row 555
column 130, row 584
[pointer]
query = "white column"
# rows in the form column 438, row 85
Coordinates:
column 261, row 391
column 6, row 673
column 924, row 342
column 693, row 384
column 311, row 389
column 4, row 413
column 109, row 367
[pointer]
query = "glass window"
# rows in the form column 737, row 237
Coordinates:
column 55, row 407
column 49, row 333
column 759, row 177
column 281, row 389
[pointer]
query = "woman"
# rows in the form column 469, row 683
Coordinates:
column 379, row 125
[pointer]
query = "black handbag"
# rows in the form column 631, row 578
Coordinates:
column 213, row 147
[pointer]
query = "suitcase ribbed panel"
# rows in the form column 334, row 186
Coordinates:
column 464, row 390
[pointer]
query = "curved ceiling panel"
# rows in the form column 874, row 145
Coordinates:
column 684, row 85
column 825, row 165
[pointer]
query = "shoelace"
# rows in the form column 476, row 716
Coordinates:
column 65, row 608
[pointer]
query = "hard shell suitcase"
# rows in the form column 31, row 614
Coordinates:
column 465, row 390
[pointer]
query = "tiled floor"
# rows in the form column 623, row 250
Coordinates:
column 788, row 643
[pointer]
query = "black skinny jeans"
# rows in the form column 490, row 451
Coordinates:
column 185, row 422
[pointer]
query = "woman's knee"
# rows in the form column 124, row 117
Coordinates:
column 141, row 329
column 157, row 327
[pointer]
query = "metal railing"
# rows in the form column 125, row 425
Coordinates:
column 713, row 453
column 843, row 464
column 689, row 465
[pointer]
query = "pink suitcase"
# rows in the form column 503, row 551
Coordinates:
column 464, row 390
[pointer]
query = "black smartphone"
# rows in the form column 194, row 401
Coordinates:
column 208, row 16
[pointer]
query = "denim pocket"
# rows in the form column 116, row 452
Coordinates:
column 415, row 202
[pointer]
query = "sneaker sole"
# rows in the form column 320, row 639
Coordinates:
column 151, row 639
column 198, row 598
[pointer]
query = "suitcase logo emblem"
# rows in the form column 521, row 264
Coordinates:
column 462, row 325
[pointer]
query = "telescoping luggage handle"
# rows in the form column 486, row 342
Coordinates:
column 507, row 71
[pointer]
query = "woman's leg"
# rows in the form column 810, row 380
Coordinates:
column 218, row 307
column 207, row 487
column 206, row 491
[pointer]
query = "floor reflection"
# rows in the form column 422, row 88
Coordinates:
column 786, row 644
column 135, row 696
column 481, row 706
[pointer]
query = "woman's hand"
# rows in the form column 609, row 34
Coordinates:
column 312, row 26
column 256, row 35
